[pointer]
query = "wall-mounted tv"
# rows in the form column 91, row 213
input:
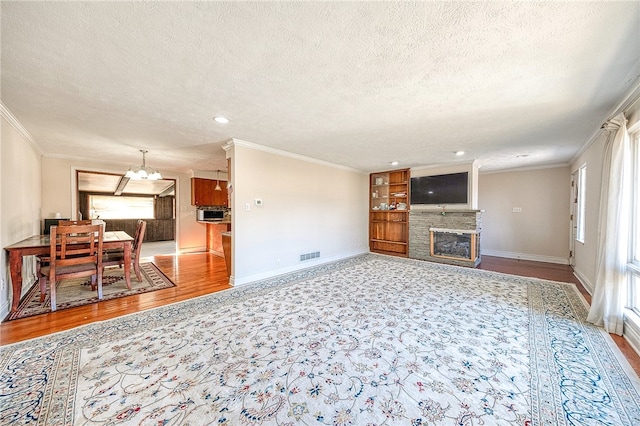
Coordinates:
column 452, row 188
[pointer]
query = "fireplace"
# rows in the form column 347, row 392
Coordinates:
column 422, row 222
column 457, row 244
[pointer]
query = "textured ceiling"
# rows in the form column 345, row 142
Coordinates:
column 357, row 84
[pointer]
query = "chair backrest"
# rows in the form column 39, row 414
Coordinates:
column 73, row 222
column 137, row 239
column 75, row 244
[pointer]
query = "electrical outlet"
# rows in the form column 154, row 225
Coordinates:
column 247, row 206
column 278, row 262
column 1, row 285
column 517, row 210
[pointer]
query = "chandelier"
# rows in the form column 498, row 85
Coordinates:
column 142, row 171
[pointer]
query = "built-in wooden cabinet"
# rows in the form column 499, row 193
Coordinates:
column 203, row 192
column 157, row 229
column 389, row 212
column 214, row 236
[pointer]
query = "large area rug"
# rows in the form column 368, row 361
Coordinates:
column 77, row 292
column 369, row 340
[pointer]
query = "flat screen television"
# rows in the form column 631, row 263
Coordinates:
column 452, row 188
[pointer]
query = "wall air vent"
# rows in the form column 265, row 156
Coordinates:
column 308, row 256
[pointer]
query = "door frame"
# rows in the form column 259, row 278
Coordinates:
column 573, row 222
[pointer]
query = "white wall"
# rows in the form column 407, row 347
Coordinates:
column 541, row 231
column 58, row 196
column 20, row 195
column 308, row 206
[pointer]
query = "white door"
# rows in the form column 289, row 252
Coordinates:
column 573, row 222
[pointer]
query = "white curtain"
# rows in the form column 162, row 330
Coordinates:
column 610, row 293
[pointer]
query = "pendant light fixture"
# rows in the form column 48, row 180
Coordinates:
column 217, row 188
column 142, row 171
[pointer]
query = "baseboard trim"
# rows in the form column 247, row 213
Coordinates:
column 298, row 267
column 4, row 309
column 526, row 256
column 632, row 329
column 184, row 250
column 584, row 281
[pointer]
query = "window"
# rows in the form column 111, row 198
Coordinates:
column 581, row 208
column 118, row 207
column 635, row 219
column 633, row 267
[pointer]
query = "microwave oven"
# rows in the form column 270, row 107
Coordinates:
column 210, row 215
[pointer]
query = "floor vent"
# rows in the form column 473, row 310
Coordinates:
column 308, row 256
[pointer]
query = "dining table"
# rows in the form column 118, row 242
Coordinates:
column 41, row 245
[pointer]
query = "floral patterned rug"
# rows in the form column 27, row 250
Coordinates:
column 369, row 340
column 77, row 292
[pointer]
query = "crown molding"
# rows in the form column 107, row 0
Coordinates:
column 17, row 125
column 526, row 169
column 239, row 142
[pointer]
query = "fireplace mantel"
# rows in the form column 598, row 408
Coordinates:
column 455, row 231
column 446, row 210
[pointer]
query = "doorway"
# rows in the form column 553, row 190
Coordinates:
column 121, row 201
column 573, row 222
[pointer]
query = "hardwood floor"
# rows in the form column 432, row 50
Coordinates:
column 194, row 274
column 203, row 273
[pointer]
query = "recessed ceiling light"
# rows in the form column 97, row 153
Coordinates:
column 394, row 163
column 459, row 153
column 221, row 120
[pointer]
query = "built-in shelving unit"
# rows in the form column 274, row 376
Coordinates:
column 389, row 212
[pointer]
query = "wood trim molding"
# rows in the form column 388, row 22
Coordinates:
column 526, row 256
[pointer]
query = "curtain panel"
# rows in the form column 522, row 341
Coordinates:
column 611, row 292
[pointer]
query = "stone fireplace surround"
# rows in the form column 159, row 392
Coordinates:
column 421, row 221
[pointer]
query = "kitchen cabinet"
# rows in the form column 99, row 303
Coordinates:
column 389, row 212
column 214, row 236
column 226, row 248
column 203, row 193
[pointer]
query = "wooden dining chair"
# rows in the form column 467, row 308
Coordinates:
column 117, row 258
column 75, row 251
column 74, row 222
column 42, row 261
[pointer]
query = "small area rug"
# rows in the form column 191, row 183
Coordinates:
column 77, row 292
column 371, row 340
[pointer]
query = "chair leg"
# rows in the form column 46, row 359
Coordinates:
column 43, row 288
column 136, row 268
column 100, row 284
column 52, row 292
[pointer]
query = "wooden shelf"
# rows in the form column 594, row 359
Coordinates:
column 391, row 242
column 388, row 225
